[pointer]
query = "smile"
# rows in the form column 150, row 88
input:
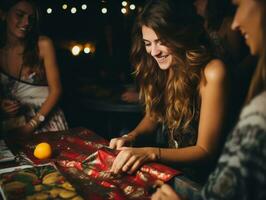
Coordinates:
column 161, row 59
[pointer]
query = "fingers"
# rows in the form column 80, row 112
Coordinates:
column 129, row 160
column 120, row 160
column 165, row 192
column 10, row 107
column 116, row 143
column 158, row 195
column 167, row 189
column 127, row 167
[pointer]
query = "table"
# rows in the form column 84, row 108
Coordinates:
column 102, row 104
column 82, row 157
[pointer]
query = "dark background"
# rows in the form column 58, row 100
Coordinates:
column 108, row 65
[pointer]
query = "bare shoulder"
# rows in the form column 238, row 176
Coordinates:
column 45, row 45
column 215, row 71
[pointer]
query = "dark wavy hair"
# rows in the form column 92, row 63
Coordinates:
column 258, row 82
column 174, row 99
column 31, row 51
column 216, row 11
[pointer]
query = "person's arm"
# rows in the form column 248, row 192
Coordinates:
column 47, row 53
column 213, row 92
column 214, row 97
column 146, row 126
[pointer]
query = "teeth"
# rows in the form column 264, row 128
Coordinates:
column 161, row 59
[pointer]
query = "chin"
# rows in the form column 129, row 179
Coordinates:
column 164, row 66
column 253, row 51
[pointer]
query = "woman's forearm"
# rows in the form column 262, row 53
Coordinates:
column 50, row 102
column 146, row 126
column 187, row 155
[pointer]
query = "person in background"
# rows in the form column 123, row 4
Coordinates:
column 30, row 81
column 241, row 169
column 230, row 46
column 184, row 88
column 217, row 17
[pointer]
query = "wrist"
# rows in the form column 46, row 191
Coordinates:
column 131, row 137
column 39, row 117
column 154, row 153
column 33, row 123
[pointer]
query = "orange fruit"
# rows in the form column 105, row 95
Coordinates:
column 43, row 151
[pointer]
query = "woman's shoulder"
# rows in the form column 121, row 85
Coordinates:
column 44, row 41
column 215, row 71
column 45, row 45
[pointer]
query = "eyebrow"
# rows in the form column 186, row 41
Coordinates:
column 145, row 40
column 22, row 11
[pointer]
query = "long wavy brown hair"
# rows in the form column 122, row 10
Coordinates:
column 171, row 99
column 31, row 50
column 258, row 82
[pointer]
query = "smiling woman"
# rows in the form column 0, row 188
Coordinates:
column 241, row 169
column 182, row 84
column 155, row 47
column 30, row 82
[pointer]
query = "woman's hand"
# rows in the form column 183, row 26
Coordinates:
column 10, row 107
column 165, row 192
column 119, row 142
column 130, row 159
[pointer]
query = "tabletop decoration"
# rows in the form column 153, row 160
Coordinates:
column 85, row 160
column 93, row 175
column 42, row 182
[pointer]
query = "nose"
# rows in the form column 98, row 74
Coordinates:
column 235, row 24
column 25, row 21
column 155, row 50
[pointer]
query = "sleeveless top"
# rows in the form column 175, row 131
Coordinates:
column 31, row 93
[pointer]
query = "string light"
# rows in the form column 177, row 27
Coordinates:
column 49, row 10
column 124, row 3
column 64, row 6
column 84, row 7
column 132, row 7
column 123, row 10
column 75, row 50
column 104, row 10
column 73, row 10
column 87, row 50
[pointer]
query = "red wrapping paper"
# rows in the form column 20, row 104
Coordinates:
column 84, row 159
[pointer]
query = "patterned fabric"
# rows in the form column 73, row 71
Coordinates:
column 31, row 95
column 241, row 170
column 84, row 160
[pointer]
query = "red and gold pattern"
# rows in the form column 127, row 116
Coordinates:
column 85, row 160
